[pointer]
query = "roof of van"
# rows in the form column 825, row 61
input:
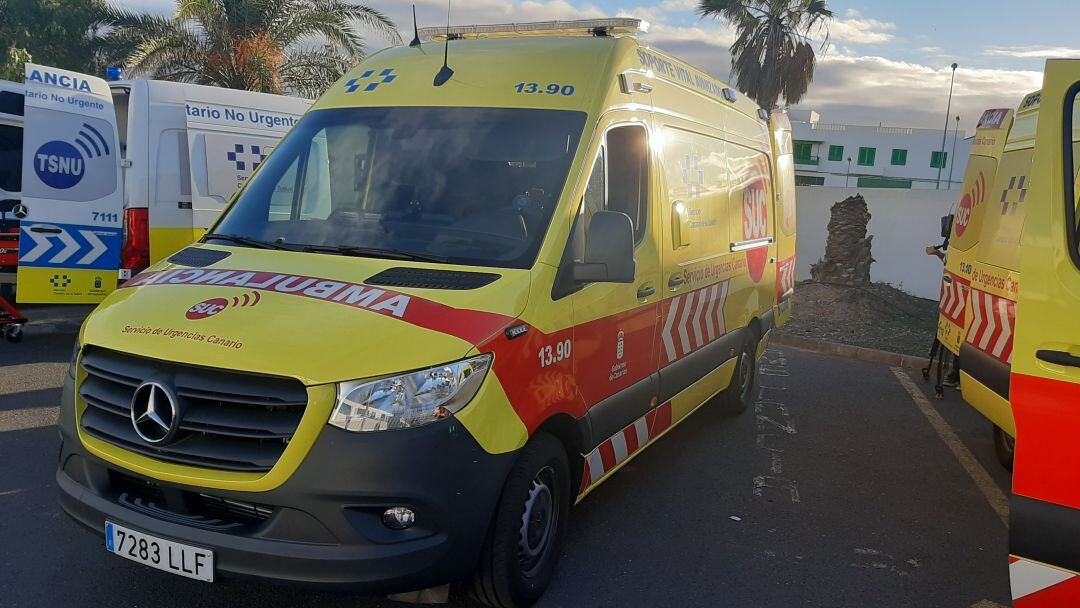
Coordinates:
column 569, row 72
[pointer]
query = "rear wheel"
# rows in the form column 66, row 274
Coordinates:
column 1005, row 447
column 522, row 547
column 743, row 388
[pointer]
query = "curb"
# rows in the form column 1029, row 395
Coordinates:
column 847, row 351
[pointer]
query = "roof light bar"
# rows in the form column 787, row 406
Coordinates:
column 581, row 27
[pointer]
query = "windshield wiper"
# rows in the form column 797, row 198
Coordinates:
column 243, row 240
column 372, row 252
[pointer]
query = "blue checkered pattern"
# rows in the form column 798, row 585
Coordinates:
column 363, row 84
column 240, row 158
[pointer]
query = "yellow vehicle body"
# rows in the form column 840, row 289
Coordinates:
column 605, row 367
column 981, row 278
column 1045, row 385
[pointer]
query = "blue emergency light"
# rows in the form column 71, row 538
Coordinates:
column 114, row 73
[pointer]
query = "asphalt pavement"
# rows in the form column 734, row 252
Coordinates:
column 839, row 489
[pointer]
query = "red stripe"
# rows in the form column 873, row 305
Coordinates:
column 585, row 478
column 1061, row 595
column 662, row 421
column 607, row 455
column 630, row 434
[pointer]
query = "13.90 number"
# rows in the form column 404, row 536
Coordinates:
column 549, row 89
column 559, row 352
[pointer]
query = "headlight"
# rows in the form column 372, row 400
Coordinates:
column 409, row 400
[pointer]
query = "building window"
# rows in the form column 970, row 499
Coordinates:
column 804, row 153
column 836, row 153
column 899, row 156
column 938, row 160
column 867, row 156
column 809, row 180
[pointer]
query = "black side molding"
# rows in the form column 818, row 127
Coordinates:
column 1044, row 532
column 986, row 369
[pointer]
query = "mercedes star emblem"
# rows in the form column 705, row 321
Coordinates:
column 154, row 413
column 20, row 211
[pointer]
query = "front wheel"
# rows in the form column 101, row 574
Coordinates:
column 522, row 548
column 741, row 392
column 1005, row 447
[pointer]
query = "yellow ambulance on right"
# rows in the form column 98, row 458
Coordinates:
column 980, row 287
column 1010, row 298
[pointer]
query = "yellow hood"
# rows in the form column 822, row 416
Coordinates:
column 304, row 315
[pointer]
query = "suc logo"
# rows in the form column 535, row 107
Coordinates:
column 207, row 308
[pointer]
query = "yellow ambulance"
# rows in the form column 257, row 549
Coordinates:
column 478, row 277
column 1045, row 383
column 982, row 274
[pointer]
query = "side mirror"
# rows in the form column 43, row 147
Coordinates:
column 946, row 226
column 680, row 224
column 609, row 250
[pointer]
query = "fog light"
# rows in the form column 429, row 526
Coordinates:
column 398, row 518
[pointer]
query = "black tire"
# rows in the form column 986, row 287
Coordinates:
column 523, row 544
column 743, row 388
column 1004, row 447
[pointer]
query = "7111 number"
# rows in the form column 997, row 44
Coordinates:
column 550, row 89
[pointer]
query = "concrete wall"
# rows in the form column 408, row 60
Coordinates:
column 903, row 223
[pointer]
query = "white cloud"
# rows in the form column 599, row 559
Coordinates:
column 869, row 89
column 853, row 28
column 1032, row 52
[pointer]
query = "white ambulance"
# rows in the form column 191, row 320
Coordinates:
column 117, row 175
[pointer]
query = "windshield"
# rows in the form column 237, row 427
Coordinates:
column 464, row 185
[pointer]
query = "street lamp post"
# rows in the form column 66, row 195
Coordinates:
column 945, row 132
column 952, row 159
column 847, row 178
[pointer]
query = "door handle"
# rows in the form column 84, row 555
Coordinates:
column 645, row 291
column 675, row 281
column 1058, row 357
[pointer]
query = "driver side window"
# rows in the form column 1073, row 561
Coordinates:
column 619, row 181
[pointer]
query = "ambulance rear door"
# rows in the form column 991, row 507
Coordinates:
column 784, row 193
column 1044, row 529
column 69, row 246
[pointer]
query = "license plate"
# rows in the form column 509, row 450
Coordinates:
column 185, row 560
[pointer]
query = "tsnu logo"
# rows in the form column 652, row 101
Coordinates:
column 60, row 164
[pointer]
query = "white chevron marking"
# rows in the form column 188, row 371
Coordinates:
column 710, row 327
column 721, row 325
column 71, row 247
column 976, row 312
column 96, row 248
column 683, row 337
column 991, row 321
column 1006, row 328
column 702, row 297
column 669, row 344
column 42, row 243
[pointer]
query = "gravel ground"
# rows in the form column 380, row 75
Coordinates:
column 879, row 316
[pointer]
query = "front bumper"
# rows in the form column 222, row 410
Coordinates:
column 323, row 526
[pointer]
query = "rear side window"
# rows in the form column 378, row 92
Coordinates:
column 11, row 142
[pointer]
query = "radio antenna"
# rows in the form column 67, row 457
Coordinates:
column 415, row 29
column 445, row 72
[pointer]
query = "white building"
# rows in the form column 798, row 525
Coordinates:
column 834, row 154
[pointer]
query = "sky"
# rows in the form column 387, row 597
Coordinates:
column 886, row 61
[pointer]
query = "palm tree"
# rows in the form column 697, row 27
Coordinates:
column 773, row 55
column 273, row 46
